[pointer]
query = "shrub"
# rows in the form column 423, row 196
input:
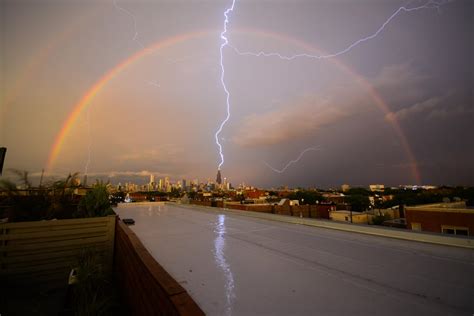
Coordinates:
column 95, row 203
column 379, row 219
column 90, row 295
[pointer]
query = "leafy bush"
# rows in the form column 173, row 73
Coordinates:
column 90, row 295
column 57, row 200
column 306, row 196
column 379, row 219
column 359, row 203
column 95, row 203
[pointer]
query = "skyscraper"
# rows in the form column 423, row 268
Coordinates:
column 151, row 185
column 219, row 177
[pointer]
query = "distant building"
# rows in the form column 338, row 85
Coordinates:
column 377, row 187
column 446, row 218
column 76, row 181
column 254, row 194
column 324, row 208
column 345, row 187
column 219, row 177
column 167, row 185
column 337, row 198
column 226, row 185
column 283, row 193
column 347, row 216
column 151, row 184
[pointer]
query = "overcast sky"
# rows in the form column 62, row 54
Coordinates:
column 160, row 113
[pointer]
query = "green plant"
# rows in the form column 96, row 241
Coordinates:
column 95, row 203
column 379, row 219
column 90, row 294
column 306, row 196
column 23, row 177
column 22, row 204
column 359, row 203
column 62, row 201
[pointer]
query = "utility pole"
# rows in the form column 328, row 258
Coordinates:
column 3, row 152
column 350, row 210
column 41, row 179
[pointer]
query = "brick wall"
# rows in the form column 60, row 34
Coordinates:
column 241, row 207
column 312, row 211
column 146, row 286
column 321, row 211
column 433, row 220
column 282, row 209
column 202, row 203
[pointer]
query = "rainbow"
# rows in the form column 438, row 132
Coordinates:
column 88, row 97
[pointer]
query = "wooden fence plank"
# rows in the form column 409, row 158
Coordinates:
column 61, row 222
column 53, row 253
column 54, row 244
column 22, row 252
column 24, row 230
column 51, row 234
column 48, row 249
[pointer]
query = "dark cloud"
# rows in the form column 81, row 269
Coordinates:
column 159, row 115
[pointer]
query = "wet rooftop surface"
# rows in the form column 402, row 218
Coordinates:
column 236, row 265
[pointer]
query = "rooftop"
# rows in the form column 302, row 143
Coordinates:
column 238, row 265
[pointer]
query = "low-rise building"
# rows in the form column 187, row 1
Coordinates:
column 345, row 216
column 377, row 187
column 255, row 194
column 446, row 218
column 337, row 198
column 345, row 188
column 322, row 209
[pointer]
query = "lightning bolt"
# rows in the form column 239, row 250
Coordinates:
column 292, row 161
column 219, row 256
column 130, row 14
column 427, row 5
column 225, row 42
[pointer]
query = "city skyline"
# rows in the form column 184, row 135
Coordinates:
column 122, row 90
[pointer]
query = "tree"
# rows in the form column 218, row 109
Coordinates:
column 359, row 203
column 62, row 199
column 117, row 197
column 379, row 219
column 175, row 193
column 192, row 195
column 358, row 191
column 306, row 196
column 95, row 203
column 16, row 206
column 23, row 177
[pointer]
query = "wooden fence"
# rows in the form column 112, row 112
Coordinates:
column 45, row 251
